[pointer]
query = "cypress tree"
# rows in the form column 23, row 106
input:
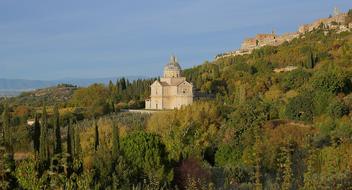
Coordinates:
column 58, row 144
column 311, row 61
column 257, row 146
column 36, row 134
column 43, row 147
column 96, row 143
column 115, row 142
column 77, row 143
column 287, row 172
column 69, row 139
column 6, row 128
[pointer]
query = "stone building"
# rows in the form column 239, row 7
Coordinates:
column 172, row 91
column 337, row 18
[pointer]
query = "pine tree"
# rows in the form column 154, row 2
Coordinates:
column 36, row 135
column 96, row 142
column 57, row 130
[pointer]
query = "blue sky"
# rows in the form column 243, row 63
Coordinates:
column 41, row 39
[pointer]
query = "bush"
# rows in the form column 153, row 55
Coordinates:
column 147, row 156
column 300, row 108
column 227, row 156
column 294, row 79
column 337, row 109
column 331, row 81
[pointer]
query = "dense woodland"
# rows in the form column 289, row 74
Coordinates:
column 262, row 130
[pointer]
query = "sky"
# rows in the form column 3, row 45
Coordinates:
column 48, row 40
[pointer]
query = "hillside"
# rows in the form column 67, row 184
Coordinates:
column 13, row 87
column 51, row 95
column 277, row 118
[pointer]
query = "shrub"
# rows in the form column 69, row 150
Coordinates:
column 337, row 109
column 300, row 108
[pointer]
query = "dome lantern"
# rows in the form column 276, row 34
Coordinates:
column 172, row 69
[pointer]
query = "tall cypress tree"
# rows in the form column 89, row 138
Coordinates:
column 6, row 129
column 58, row 144
column 96, row 142
column 36, row 135
column 115, row 142
column 69, row 139
column 77, row 143
column 257, row 152
column 43, row 148
column 70, row 144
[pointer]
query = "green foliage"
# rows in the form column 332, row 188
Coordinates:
column 147, row 156
column 36, row 134
column 337, row 109
column 94, row 98
column 227, row 156
column 189, row 131
column 57, row 131
column 333, row 81
column 300, row 108
column 294, row 79
column 6, row 130
column 44, row 143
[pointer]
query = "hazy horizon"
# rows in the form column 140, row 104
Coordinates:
column 50, row 40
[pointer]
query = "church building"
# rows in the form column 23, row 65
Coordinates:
column 172, row 90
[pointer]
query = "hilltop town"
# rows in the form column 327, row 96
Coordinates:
column 337, row 21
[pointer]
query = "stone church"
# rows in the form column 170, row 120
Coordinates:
column 172, row 90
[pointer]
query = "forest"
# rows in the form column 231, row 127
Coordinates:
column 257, row 129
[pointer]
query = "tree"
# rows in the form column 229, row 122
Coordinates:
column 7, row 162
column 333, row 80
column 311, row 60
column 57, row 131
column 147, row 156
column 43, row 148
column 94, row 98
column 96, row 135
column 36, row 135
column 115, row 142
column 337, row 109
column 6, row 134
column 287, row 171
column 257, row 155
column 300, row 108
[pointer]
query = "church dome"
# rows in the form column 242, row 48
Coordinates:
column 172, row 69
column 173, row 64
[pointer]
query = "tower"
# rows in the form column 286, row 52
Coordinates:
column 336, row 11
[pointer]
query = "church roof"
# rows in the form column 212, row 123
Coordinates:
column 167, row 84
column 173, row 64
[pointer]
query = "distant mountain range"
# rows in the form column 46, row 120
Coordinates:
column 12, row 87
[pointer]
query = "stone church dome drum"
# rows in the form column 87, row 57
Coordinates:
column 172, row 69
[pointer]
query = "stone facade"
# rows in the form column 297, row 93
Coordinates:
column 172, row 91
column 330, row 23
